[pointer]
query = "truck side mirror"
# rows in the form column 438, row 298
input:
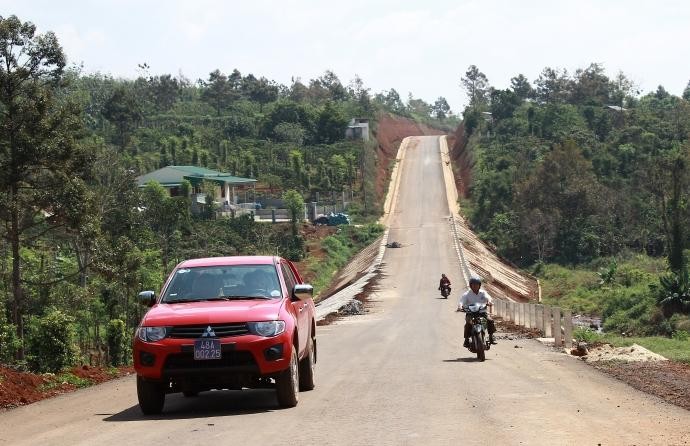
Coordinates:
column 147, row 298
column 302, row 291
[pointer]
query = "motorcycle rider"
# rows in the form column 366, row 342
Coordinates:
column 445, row 281
column 474, row 296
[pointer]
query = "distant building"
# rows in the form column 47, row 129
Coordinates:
column 358, row 128
column 617, row 108
column 229, row 187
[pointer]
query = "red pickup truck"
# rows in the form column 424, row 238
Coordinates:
column 226, row 323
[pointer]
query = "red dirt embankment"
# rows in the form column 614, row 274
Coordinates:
column 20, row 388
column 462, row 161
column 390, row 132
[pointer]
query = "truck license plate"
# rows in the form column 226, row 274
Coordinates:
column 206, row 348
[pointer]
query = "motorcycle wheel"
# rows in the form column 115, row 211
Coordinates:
column 478, row 340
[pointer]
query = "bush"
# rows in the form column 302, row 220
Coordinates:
column 9, row 342
column 583, row 334
column 118, row 343
column 680, row 335
column 51, row 341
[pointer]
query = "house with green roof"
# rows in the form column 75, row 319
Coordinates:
column 227, row 193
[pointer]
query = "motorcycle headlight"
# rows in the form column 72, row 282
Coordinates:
column 152, row 334
column 267, row 329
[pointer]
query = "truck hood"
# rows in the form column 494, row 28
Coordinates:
column 212, row 312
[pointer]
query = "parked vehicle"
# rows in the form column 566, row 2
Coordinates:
column 226, row 323
column 479, row 342
column 332, row 219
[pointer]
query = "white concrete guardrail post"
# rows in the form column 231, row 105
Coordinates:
column 533, row 315
column 540, row 318
column 557, row 338
column 517, row 313
column 568, row 328
column 547, row 321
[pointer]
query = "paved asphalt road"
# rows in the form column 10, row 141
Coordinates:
column 394, row 376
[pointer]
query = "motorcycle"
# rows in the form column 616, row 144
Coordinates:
column 445, row 291
column 479, row 341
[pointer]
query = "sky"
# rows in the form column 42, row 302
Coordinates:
column 418, row 47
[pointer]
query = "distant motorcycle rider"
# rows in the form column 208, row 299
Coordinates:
column 444, row 282
column 475, row 296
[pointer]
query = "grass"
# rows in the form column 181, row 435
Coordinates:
column 340, row 248
column 581, row 288
column 68, row 378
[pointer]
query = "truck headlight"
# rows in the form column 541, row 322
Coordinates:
column 151, row 334
column 267, row 329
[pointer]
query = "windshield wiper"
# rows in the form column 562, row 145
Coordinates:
column 177, row 301
column 181, row 301
column 245, row 297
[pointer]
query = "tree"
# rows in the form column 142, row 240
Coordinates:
column 295, row 204
column 165, row 216
column 331, row 83
column 476, row 86
column 670, row 183
column 122, row 109
column 567, row 198
column 360, row 93
column 41, row 162
column 418, row 106
column 261, row 90
column 521, row 87
column 331, row 124
column 217, row 91
column 591, row 86
column 552, row 85
column 440, row 109
column 391, row 100
column 164, row 91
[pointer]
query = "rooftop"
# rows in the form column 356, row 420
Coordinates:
column 174, row 175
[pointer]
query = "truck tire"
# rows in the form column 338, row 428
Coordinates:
column 287, row 383
column 151, row 396
column 306, row 367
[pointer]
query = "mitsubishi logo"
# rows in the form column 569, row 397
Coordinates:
column 209, row 333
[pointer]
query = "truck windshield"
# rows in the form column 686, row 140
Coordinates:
column 223, row 283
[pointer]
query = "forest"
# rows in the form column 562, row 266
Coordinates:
column 79, row 239
column 582, row 173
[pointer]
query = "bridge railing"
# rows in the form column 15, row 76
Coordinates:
column 551, row 322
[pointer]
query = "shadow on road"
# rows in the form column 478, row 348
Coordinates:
column 470, row 359
column 206, row 405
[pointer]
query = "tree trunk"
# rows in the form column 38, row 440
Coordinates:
column 17, row 292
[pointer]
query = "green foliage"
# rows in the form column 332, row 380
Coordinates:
column 51, row 341
column 119, row 339
column 607, row 275
column 627, row 303
column 680, row 335
column 65, row 378
column 9, row 341
column 42, row 162
column 674, row 293
column 583, row 334
column 340, row 248
column 81, row 237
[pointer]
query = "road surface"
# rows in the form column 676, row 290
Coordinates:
column 395, row 376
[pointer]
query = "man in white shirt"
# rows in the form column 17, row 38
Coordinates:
column 474, row 296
